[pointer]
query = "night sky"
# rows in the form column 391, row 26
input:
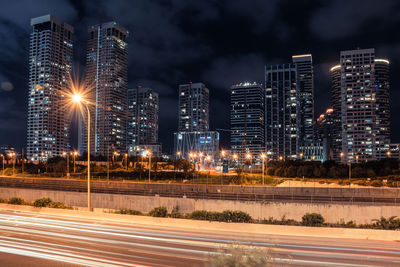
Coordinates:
column 215, row 42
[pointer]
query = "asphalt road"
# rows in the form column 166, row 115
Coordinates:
column 29, row 239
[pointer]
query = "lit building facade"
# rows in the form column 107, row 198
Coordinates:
column 305, row 91
column 324, row 133
column 196, row 143
column 365, row 108
column 247, row 120
column 50, row 63
column 282, row 112
column 194, row 102
column 106, row 80
column 142, row 130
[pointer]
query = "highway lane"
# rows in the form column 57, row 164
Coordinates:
column 30, row 239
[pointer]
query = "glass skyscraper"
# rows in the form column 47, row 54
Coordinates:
column 50, row 63
column 106, row 80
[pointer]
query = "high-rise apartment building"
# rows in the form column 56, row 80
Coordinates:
column 247, row 119
column 193, row 107
column 364, row 105
column 337, row 112
column 324, row 129
column 282, row 109
column 106, row 80
column 142, row 127
column 50, row 62
column 305, row 85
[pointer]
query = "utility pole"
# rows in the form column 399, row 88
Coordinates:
column 22, row 161
column 108, row 164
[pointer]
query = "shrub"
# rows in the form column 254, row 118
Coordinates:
column 312, row 219
column 16, row 201
column 235, row 216
column 159, row 212
column 57, row 205
column 205, row 215
column 2, row 200
column 175, row 213
column 42, row 202
column 376, row 183
column 225, row 216
column 130, row 212
column 388, row 224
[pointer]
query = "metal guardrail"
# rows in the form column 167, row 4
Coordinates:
column 189, row 191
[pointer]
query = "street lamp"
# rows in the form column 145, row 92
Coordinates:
column 248, row 157
column 263, row 158
column 12, row 154
column 126, row 160
column 2, row 160
column 77, row 98
column 148, row 152
column 357, row 159
column 388, row 154
column 75, row 154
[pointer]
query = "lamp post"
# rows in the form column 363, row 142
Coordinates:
column 148, row 152
column 126, row 160
column 388, row 154
column 12, row 154
column 301, row 155
column 2, row 160
column 263, row 158
column 75, row 154
column 77, row 98
column 248, row 157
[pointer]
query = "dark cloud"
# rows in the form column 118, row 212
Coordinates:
column 216, row 42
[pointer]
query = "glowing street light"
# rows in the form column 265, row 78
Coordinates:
column 2, row 160
column 148, row 152
column 263, row 158
column 301, row 155
column 388, row 154
column 77, row 98
column 12, row 154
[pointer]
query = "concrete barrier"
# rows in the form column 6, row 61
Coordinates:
column 333, row 213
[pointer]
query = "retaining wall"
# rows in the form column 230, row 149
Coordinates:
column 333, row 213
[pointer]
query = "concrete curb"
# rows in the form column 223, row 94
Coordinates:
column 102, row 215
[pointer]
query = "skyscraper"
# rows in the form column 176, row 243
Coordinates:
column 282, row 138
column 193, row 107
column 247, row 119
column 106, row 77
column 305, row 84
column 50, row 62
column 337, row 112
column 193, row 136
column 364, row 105
column 142, row 127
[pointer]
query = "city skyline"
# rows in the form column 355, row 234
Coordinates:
column 219, row 86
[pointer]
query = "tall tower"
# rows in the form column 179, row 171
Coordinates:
column 282, row 111
column 143, row 116
column 193, row 107
column 364, row 103
column 107, row 77
column 305, row 84
column 337, row 112
column 50, row 62
column 247, row 119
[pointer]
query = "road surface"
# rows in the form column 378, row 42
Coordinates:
column 30, row 239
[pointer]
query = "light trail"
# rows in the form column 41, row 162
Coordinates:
column 98, row 243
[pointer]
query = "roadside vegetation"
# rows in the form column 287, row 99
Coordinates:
column 230, row 216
